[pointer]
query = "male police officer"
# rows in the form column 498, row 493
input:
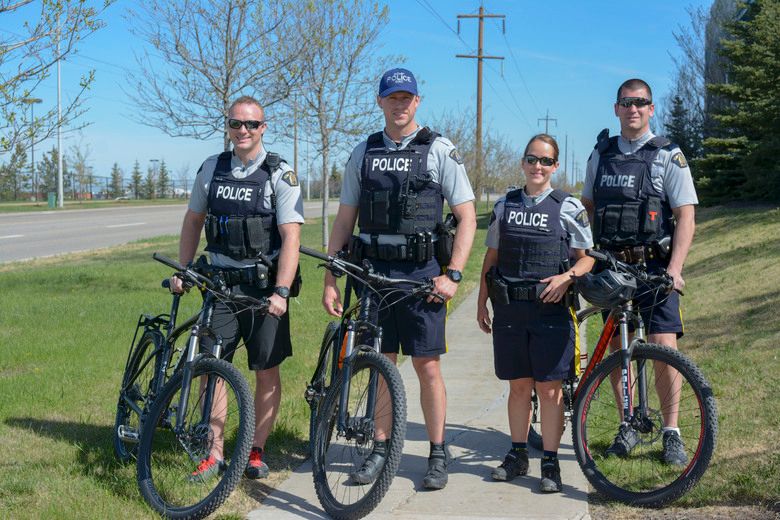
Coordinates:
column 250, row 203
column 639, row 192
column 394, row 186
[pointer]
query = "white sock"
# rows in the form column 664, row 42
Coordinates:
column 667, row 429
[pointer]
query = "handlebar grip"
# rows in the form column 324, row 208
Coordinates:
column 166, row 284
column 598, row 255
column 313, row 252
column 168, row 261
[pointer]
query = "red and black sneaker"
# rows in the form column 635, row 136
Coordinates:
column 256, row 468
column 208, row 468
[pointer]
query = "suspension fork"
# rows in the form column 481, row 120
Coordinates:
column 625, row 362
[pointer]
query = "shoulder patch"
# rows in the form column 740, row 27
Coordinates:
column 455, row 156
column 679, row 159
column 290, row 178
column 582, row 218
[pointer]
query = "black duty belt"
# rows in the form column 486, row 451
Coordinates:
column 525, row 292
column 256, row 274
column 636, row 254
column 418, row 248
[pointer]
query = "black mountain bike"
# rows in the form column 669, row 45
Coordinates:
column 628, row 377
column 356, row 392
column 175, row 399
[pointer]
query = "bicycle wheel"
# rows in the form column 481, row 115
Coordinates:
column 642, row 478
column 339, row 453
column 167, row 457
column 321, row 381
column 136, row 394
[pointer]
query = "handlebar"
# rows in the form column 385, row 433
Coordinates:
column 365, row 272
column 661, row 279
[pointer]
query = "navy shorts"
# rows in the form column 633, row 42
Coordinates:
column 533, row 339
column 412, row 326
column 267, row 338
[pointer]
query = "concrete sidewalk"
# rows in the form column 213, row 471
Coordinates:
column 477, row 434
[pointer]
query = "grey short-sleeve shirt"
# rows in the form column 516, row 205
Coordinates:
column 574, row 220
column 289, row 203
column 670, row 173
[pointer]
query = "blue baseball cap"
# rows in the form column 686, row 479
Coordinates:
column 397, row 80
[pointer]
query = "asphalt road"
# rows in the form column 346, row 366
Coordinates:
column 24, row 236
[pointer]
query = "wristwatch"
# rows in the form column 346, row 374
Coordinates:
column 455, row 276
column 282, row 291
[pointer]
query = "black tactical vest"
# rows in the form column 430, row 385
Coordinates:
column 238, row 225
column 532, row 243
column 629, row 211
column 397, row 195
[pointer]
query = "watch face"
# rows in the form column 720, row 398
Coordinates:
column 455, row 276
column 284, row 292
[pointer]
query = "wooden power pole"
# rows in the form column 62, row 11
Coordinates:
column 547, row 120
column 479, row 57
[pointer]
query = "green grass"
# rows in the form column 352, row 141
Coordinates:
column 65, row 329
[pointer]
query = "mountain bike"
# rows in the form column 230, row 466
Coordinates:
column 170, row 412
column 619, row 389
column 356, row 391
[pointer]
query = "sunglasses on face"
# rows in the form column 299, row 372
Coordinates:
column 532, row 159
column 638, row 102
column 235, row 124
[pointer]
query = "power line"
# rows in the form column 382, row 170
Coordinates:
column 515, row 61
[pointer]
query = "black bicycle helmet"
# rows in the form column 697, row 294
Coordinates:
column 606, row 289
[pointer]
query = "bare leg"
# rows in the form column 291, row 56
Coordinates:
column 668, row 383
column 550, row 395
column 433, row 396
column 519, row 408
column 268, row 395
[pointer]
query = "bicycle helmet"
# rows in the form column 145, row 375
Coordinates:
column 606, row 289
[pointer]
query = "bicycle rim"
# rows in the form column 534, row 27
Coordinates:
column 642, row 477
column 169, row 456
column 337, row 454
column 138, row 392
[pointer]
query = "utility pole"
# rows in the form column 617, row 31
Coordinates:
column 566, row 155
column 479, row 57
column 547, row 120
column 60, row 189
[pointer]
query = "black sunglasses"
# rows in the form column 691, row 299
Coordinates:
column 638, row 102
column 235, row 124
column 532, row 159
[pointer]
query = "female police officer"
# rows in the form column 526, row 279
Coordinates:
column 527, row 273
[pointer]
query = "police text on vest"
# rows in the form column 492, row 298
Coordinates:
column 617, row 181
column 234, row 193
column 398, row 164
column 521, row 218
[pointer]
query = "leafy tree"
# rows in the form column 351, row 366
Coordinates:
column 27, row 58
column 136, row 180
column 117, row 182
column 163, row 181
column 47, row 171
column 211, row 52
column 13, row 176
column 81, row 170
column 742, row 161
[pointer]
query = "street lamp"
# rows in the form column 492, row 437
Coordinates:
column 32, row 102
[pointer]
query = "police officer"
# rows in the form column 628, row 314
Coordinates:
column 250, row 203
column 394, row 186
column 526, row 273
column 640, row 195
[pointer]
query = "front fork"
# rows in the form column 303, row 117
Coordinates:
column 636, row 415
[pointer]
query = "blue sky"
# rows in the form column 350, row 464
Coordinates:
column 567, row 57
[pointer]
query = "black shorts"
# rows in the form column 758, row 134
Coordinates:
column 533, row 339
column 267, row 338
column 412, row 326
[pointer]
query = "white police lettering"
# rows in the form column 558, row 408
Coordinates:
column 617, row 181
column 387, row 164
column 234, row 193
column 398, row 77
column 521, row 218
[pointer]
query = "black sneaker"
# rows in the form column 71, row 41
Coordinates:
column 674, row 449
column 370, row 469
column 624, row 441
column 515, row 464
column 436, row 477
column 551, row 476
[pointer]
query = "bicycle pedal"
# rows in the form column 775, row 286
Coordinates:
column 128, row 434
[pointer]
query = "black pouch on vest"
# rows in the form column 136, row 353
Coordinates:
column 498, row 289
column 378, row 208
column 235, row 238
column 446, row 232
column 355, row 252
column 261, row 276
column 629, row 220
column 256, row 237
column 651, row 221
column 212, row 230
column 295, row 286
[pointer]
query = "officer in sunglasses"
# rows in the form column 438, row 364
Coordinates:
column 249, row 202
column 640, row 195
column 394, row 188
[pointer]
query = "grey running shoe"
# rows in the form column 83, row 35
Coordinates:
column 624, row 441
column 515, row 464
column 370, row 469
column 551, row 476
column 674, row 449
column 436, row 478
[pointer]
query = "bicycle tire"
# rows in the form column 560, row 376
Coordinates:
column 336, row 456
column 140, row 393
column 642, row 478
column 166, row 460
column 321, row 381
